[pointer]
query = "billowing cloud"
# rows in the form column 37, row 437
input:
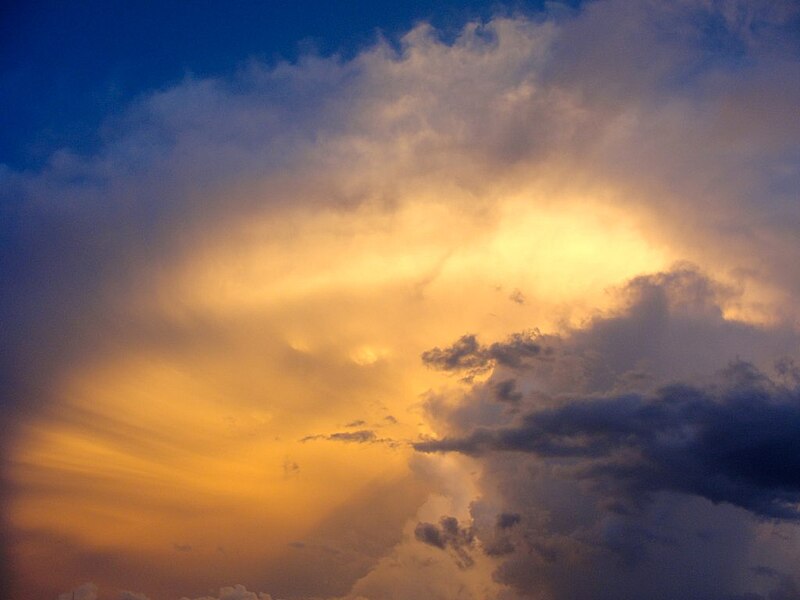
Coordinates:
column 736, row 445
column 253, row 259
column 625, row 461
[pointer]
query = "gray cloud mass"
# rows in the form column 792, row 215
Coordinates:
column 738, row 445
column 635, row 481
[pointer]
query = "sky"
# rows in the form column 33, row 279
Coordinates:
column 389, row 301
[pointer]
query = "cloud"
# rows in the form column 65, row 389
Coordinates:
column 606, row 485
column 237, row 240
column 735, row 445
column 469, row 356
column 507, row 520
column 505, row 391
column 362, row 436
column 448, row 534
column 517, row 296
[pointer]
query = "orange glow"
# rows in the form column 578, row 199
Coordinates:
column 200, row 448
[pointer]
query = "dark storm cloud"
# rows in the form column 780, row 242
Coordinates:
column 625, row 462
column 670, row 327
column 737, row 445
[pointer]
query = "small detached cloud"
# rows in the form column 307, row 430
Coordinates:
column 448, row 534
column 362, row 436
column 290, row 468
column 517, row 296
column 506, row 391
column 468, row 356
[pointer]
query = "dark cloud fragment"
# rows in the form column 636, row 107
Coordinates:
column 517, row 296
column 290, row 468
column 448, row 535
column 736, row 445
column 465, row 354
column 362, row 436
column 469, row 356
column 428, row 533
